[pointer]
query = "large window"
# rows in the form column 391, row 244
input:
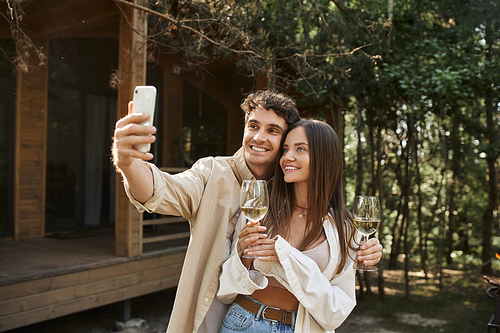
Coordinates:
column 204, row 122
column 7, row 111
column 80, row 122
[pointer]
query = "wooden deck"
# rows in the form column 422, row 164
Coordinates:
column 45, row 278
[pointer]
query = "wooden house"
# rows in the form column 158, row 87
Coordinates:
column 69, row 238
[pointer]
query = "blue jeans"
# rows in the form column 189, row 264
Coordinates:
column 238, row 319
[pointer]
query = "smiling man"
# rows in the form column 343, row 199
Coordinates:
column 207, row 195
column 263, row 132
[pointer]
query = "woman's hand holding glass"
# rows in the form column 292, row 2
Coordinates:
column 370, row 253
column 254, row 203
column 250, row 233
column 367, row 214
column 255, row 244
column 254, row 200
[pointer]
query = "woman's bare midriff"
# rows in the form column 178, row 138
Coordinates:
column 277, row 297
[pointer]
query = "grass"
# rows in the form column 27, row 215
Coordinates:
column 462, row 304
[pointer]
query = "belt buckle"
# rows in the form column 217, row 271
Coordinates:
column 264, row 314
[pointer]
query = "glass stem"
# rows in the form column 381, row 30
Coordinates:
column 364, row 239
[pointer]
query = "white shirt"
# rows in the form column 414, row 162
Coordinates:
column 325, row 298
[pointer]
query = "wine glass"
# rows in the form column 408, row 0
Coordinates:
column 254, row 200
column 366, row 220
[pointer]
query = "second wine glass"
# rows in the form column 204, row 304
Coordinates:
column 366, row 220
column 254, row 200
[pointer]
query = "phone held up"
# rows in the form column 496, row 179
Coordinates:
column 144, row 102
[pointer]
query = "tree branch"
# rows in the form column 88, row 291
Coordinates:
column 180, row 24
column 343, row 10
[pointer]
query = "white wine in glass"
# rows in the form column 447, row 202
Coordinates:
column 254, row 200
column 366, row 220
column 254, row 213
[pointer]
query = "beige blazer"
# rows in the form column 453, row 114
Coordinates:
column 208, row 196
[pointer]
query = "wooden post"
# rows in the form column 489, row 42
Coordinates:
column 125, row 310
column 30, row 149
column 132, row 68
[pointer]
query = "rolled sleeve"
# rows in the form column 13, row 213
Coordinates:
column 179, row 194
column 237, row 279
column 158, row 191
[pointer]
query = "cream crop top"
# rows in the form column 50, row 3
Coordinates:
column 320, row 254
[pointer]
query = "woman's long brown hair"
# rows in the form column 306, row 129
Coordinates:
column 325, row 191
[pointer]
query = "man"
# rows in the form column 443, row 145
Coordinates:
column 208, row 196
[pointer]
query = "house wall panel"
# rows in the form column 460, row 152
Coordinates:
column 29, row 154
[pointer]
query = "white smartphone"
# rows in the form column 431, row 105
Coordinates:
column 144, row 102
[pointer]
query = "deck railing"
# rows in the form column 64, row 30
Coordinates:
column 165, row 220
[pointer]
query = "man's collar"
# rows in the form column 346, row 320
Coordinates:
column 244, row 172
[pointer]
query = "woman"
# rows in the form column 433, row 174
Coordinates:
column 303, row 278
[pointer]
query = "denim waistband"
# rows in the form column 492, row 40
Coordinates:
column 266, row 312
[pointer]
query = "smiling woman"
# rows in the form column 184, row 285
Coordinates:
column 300, row 264
column 295, row 159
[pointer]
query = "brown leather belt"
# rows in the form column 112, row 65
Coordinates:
column 267, row 312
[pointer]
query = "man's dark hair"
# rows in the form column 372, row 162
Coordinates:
column 280, row 103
